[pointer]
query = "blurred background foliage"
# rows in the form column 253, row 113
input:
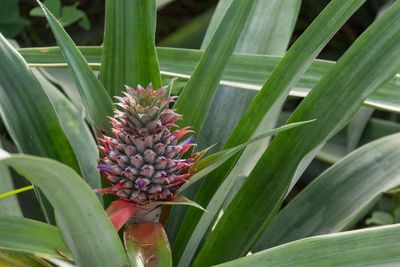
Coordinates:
column 183, row 23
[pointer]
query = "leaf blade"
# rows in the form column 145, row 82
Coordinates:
column 213, row 161
column 342, row 85
column 9, row 206
column 359, row 179
column 29, row 116
column 203, row 84
column 97, row 103
column 76, row 130
column 76, row 207
column 24, row 235
column 267, row 30
column 375, row 246
column 129, row 56
column 244, row 72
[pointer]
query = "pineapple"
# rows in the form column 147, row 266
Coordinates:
column 143, row 160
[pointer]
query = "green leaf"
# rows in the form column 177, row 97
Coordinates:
column 54, row 56
column 15, row 259
column 129, row 54
column 247, row 72
column 336, row 147
column 368, row 247
column 85, row 23
column 33, row 237
column 66, row 15
column 76, row 130
column 202, row 86
column 181, row 201
column 213, row 161
column 10, row 205
column 53, row 5
column 356, row 127
column 340, row 196
column 97, row 103
column 377, row 128
column 380, row 218
column 268, row 30
column 250, row 71
column 11, row 22
column 28, row 114
column 365, row 67
column 207, row 165
column 63, row 79
column 396, row 215
column 80, row 216
column 147, row 245
column 70, row 14
column 262, row 113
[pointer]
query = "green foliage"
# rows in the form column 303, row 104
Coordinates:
column 97, row 104
column 66, row 15
column 129, row 56
column 80, row 217
column 28, row 236
column 204, row 81
column 245, row 72
column 11, row 23
column 9, row 205
column 374, row 247
column 233, row 93
column 333, row 195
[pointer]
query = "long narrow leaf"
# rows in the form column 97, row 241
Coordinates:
column 267, row 31
column 213, row 161
column 129, row 54
column 262, row 115
column 28, row 114
column 24, row 235
column 336, row 148
column 340, row 196
column 97, row 103
column 356, row 127
column 10, row 205
column 369, row 247
column 194, row 101
column 366, row 65
column 83, row 223
column 15, row 259
column 76, row 130
column 243, row 71
column 262, row 112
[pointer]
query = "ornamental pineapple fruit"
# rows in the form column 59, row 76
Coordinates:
column 143, row 160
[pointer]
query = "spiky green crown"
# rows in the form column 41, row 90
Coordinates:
column 143, row 160
column 144, row 111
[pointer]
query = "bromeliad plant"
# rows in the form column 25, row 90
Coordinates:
column 148, row 159
column 143, row 162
